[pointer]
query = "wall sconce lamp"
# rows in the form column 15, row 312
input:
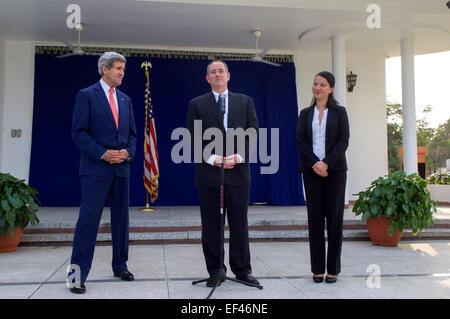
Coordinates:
column 351, row 81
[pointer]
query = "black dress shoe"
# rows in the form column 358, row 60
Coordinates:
column 79, row 290
column 248, row 279
column 318, row 279
column 330, row 280
column 125, row 275
column 212, row 281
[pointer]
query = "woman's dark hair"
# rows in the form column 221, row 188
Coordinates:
column 330, row 79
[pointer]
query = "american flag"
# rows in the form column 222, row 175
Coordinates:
column 151, row 164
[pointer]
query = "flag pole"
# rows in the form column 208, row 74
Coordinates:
column 147, row 207
column 146, row 64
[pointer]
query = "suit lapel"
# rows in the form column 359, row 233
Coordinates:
column 330, row 120
column 231, row 109
column 123, row 110
column 214, row 109
column 309, row 122
column 105, row 104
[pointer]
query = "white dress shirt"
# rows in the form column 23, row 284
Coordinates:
column 225, row 117
column 212, row 158
column 319, row 133
column 106, row 88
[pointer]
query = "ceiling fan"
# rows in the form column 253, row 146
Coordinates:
column 258, row 57
column 76, row 50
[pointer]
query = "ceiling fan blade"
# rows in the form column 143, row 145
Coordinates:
column 92, row 53
column 66, row 55
column 263, row 52
column 270, row 63
column 69, row 45
column 257, row 58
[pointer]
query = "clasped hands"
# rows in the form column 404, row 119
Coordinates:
column 228, row 162
column 321, row 169
column 115, row 157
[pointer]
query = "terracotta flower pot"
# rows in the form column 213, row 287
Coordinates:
column 378, row 232
column 10, row 243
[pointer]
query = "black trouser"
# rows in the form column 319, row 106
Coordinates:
column 325, row 198
column 236, row 203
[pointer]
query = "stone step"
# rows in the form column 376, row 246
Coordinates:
column 258, row 231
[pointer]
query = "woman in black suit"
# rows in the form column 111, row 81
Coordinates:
column 322, row 139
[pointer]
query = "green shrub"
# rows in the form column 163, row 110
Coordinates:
column 405, row 199
column 18, row 204
column 441, row 179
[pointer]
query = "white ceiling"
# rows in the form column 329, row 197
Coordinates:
column 227, row 23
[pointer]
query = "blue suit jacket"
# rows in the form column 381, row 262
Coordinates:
column 94, row 131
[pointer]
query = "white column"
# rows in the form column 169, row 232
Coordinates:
column 409, row 107
column 338, row 58
column 340, row 87
column 2, row 95
column 16, row 106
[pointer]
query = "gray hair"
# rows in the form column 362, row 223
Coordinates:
column 108, row 59
column 220, row 61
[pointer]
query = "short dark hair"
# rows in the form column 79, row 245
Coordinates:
column 214, row 61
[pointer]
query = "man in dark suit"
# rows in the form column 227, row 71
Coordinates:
column 104, row 131
column 239, row 113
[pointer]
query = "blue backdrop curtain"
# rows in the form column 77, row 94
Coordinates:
column 173, row 83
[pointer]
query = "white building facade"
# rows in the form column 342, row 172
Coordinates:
column 345, row 44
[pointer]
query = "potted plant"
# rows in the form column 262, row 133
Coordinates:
column 439, row 187
column 398, row 201
column 18, row 207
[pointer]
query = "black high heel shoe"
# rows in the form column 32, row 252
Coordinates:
column 318, row 279
column 330, row 280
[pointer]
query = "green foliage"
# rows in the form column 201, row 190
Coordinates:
column 437, row 139
column 441, row 179
column 18, row 204
column 395, row 140
column 394, row 111
column 439, row 147
column 394, row 135
column 404, row 198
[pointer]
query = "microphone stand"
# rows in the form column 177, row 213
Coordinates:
column 221, row 275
